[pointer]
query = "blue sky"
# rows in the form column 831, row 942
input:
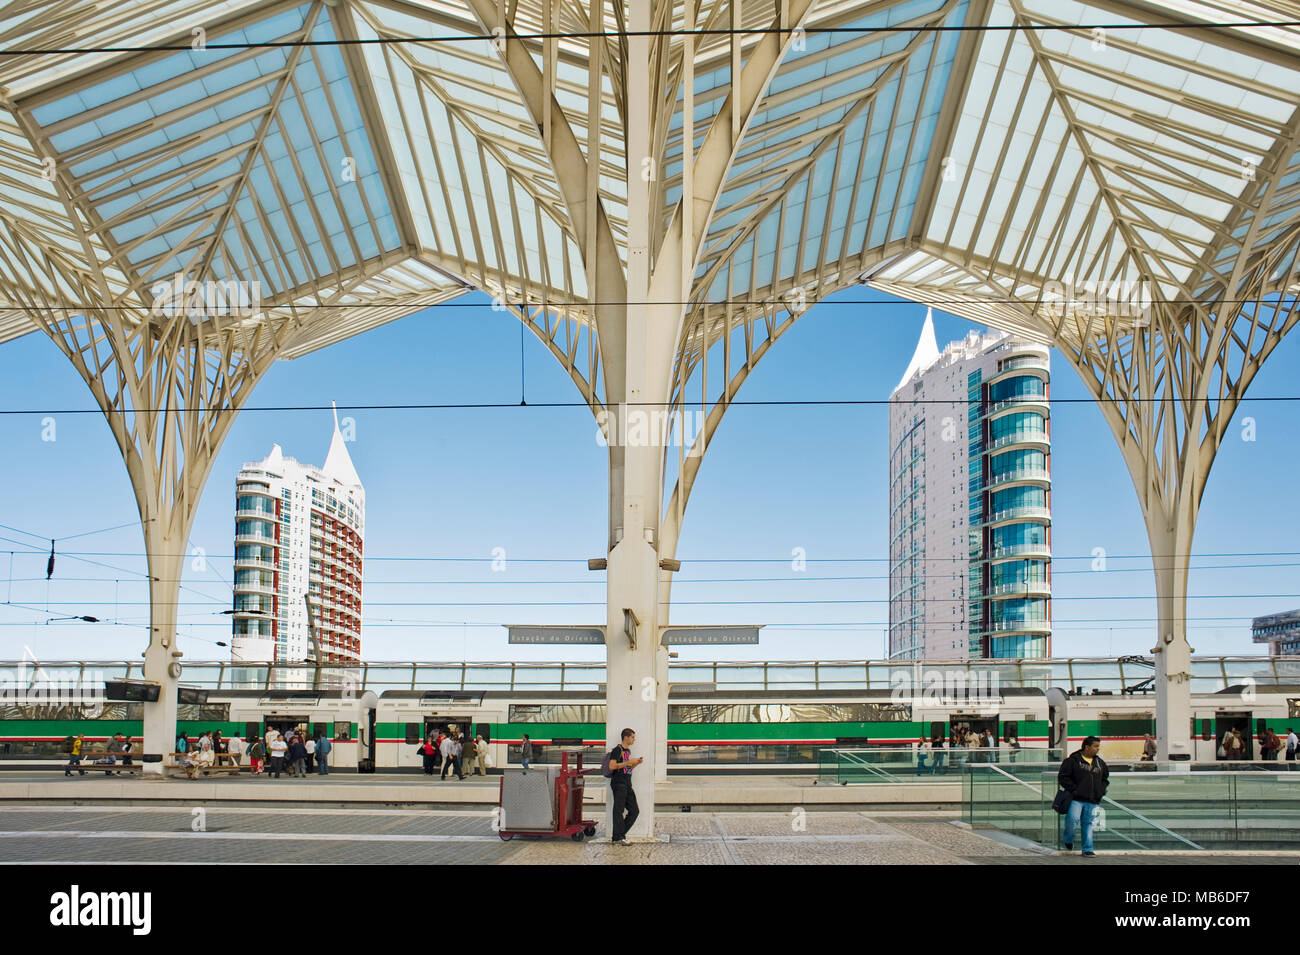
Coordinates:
column 459, row 483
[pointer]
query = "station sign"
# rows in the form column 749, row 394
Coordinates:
column 557, row 635
column 705, row 636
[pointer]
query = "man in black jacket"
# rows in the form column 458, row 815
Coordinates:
column 1085, row 776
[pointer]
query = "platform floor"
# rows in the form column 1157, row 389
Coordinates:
column 418, row 790
column 114, row 834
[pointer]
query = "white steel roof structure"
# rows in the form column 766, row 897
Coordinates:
column 189, row 195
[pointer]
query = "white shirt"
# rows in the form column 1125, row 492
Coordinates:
column 1292, row 741
column 446, row 747
column 235, row 746
column 311, row 747
column 279, row 746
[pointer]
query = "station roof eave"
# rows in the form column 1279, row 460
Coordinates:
column 381, row 157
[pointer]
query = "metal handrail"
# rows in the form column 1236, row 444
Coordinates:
column 862, row 763
column 1150, row 822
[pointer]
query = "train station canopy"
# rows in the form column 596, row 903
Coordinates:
column 384, row 153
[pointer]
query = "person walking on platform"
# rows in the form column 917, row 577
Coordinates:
column 480, row 754
column 469, row 756
column 526, row 751
column 427, row 750
column 1268, row 745
column 1148, row 748
column 309, row 745
column 323, row 747
column 278, row 748
column 256, row 755
column 79, row 744
column 298, row 754
column 621, row 762
column 235, row 747
column 1085, row 776
column 936, row 746
column 1292, row 744
column 450, row 758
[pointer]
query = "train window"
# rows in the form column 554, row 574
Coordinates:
column 1293, row 709
column 317, row 730
column 1207, row 729
column 1011, row 730
column 484, row 730
column 413, row 733
column 937, row 730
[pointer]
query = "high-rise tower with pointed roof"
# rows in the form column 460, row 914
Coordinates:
column 299, row 531
column 970, row 500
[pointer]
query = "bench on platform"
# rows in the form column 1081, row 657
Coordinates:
column 98, row 763
column 225, row 764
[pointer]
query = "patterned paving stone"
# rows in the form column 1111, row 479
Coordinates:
column 124, row 835
column 962, row 842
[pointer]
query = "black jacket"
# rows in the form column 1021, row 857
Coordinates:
column 1085, row 783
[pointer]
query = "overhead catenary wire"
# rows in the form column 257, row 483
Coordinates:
column 696, row 603
column 705, row 560
column 681, row 580
column 698, row 32
column 536, row 405
column 1271, row 300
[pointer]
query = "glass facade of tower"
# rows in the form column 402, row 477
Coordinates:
column 1010, row 509
column 970, row 502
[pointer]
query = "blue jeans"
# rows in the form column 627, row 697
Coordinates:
column 938, row 763
column 920, row 763
column 525, row 762
column 322, row 765
column 1080, row 815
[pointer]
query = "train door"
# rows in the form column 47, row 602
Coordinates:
column 1225, row 721
column 433, row 725
column 973, row 724
column 283, row 724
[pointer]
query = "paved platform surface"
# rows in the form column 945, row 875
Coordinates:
column 117, row 834
column 397, row 789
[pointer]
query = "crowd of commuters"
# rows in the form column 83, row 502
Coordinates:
column 294, row 751
column 450, row 750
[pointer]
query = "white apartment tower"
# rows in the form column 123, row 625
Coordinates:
column 298, row 530
column 970, row 501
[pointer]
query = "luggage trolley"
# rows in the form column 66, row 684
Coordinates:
column 546, row 801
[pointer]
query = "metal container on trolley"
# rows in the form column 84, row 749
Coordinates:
column 546, row 801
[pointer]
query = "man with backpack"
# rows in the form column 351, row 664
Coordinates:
column 256, row 755
column 619, row 763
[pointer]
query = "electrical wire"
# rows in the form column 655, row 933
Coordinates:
column 498, row 405
column 779, row 31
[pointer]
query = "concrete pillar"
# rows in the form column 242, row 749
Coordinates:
column 166, row 562
column 661, row 712
column 652, row 319
column 1170, row 554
